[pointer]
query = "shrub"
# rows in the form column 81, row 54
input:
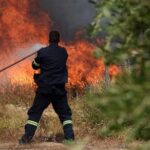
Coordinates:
column 124, row 105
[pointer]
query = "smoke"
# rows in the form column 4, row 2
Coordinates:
column 69, row 16
column 29, row 50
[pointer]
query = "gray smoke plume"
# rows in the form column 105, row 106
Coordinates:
column 69, row 16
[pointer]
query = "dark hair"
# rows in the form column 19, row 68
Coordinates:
column 54, row 37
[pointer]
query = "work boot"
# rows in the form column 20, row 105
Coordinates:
column 24, row 140
column 68, row 133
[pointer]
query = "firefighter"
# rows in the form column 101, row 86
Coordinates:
column 51, row 81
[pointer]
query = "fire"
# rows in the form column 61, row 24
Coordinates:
column 23, row 23
column 20, row 26
column 114, row 70
column 22, row 74
column 84, row 69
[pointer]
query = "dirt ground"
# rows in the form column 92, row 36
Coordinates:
column 87, row 144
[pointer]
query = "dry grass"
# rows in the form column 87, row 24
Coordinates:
column 16, row 100
column 14, row 104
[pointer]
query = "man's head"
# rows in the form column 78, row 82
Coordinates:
column 54, row 37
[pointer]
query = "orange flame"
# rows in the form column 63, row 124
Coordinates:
column 84, row 69
column 22, row 23
column 114, row 70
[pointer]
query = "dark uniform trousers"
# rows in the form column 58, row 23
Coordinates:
column 56, row 95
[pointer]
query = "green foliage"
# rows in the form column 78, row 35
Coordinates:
column 129, row 21
column 121, row 107
column 125, row 104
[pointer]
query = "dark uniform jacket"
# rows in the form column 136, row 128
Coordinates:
column 52, row 62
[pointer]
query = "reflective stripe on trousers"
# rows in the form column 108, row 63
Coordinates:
column 67, row 122
column 30, row 122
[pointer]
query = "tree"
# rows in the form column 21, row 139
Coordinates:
column 126, row 103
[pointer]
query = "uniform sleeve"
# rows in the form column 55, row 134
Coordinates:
column 36, row 63
column 66, row 52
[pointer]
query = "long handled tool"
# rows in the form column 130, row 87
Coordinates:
column 13, row 64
